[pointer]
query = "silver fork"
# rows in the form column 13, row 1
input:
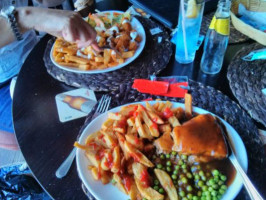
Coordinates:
column 65, row 166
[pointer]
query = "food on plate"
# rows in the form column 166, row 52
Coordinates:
column 115, row 34
column 202, row 136
column 156, row 152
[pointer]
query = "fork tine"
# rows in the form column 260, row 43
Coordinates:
column 100, row 103
column 108, row 100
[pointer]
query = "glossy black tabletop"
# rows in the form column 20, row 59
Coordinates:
column 45, row 142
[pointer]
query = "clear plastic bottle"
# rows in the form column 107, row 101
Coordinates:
column 216, row 39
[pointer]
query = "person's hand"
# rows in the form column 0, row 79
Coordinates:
column 68, row 25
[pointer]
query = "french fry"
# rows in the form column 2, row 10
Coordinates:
column 115, row 116
column 119, row 183
column 137, row 155
column 128, row 54
column 107, row 124
column 116, row 160
column 59, row 57
column 135, row 141
column 167, row 184
column 155, row 118
column 76, row 65
column 69, row 51
column 152, row 125
column 77, row 59
column 188, row 105
column 99, row 59
column 141, row 131
column 92, row 158
column 165, row 128
column 107, row 56
column 94, row 172
column 112, row 64
column 174, row 121
column 84, row 67
column 148, row 192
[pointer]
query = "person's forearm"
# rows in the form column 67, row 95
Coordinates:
column 6, row 33
column 40, row 19
column 50, row 3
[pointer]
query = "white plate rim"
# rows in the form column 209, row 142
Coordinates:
column 141, row 31
column 241, row 154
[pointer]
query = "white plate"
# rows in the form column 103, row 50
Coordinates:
column 104, row 192
column 136, row 25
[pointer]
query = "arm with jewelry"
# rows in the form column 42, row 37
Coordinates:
column 65, row 24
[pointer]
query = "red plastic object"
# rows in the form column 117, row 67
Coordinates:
column 151, row 87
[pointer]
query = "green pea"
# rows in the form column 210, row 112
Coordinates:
column 219, row 196
column 215, row 172
column 180, row 162
column 174, row 176
column 156, row 187
column 189, row 188
column 220, row 182
column 168, row 169
column 200, row 183
column 203, row 178
column 175, row 172
column 144, row 199
column 184, row 180
column 214, row 198
column 207, row 193
column 173, row 153
column 162, row 156
column 211, row 182
column 204, row 188
column 189, row 175
column 182, row 193
column 203, row 198
column 161, row 190
column 184, row 166
column 177, row 167
column 156, row 182
column 210, row 189
column 168, row 163
column 184, row 198
column 214, row 193
column 159, row 166
column 223, row 178
column 199, row 193
column 224, row 187
column 221, row 191
column 189, row 196
column 208, row 198
column 185, row 171
column 215, row 186
column 201, row 173
column 167, row 155
column 184, row 157
column 197, row 177
column 195, row 198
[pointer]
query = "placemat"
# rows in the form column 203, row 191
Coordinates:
column 246, row 80
column 235, row 35
column 154, row 58
column 214, row 101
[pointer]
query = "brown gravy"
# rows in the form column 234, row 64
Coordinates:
column 224, row 166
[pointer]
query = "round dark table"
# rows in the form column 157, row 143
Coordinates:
column 45, row 142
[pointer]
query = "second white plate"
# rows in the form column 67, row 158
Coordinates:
column 136, row 25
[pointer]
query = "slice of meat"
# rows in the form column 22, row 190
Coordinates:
column 202, row 136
